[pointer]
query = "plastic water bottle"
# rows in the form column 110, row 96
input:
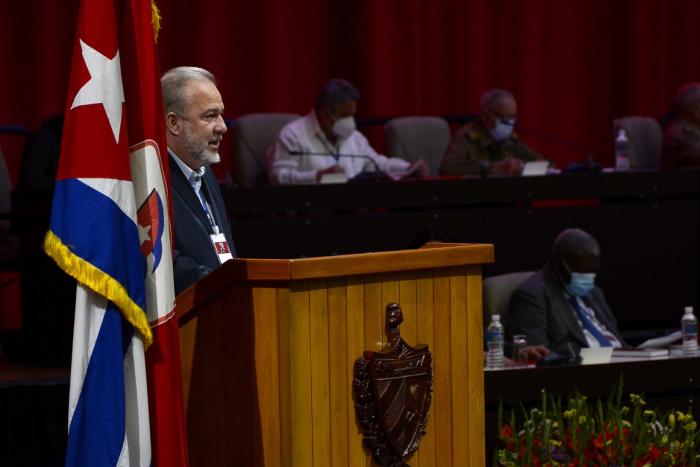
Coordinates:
column 494, row 339
column 622, row 148
column 689, row 329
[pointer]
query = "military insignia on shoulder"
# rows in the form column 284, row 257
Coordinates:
column 392, row 392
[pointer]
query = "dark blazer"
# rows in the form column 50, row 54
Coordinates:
column 539, row 308
column 193, row 252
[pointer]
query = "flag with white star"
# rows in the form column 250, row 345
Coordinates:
column 110, row 229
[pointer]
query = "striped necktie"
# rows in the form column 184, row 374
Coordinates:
column 588, row 324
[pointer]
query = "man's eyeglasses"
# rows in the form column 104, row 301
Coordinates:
column 508, row 120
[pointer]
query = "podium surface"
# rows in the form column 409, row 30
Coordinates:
column 268, row 348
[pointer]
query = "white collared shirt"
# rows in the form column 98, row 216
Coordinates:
column 305, row 135
column 194, row 177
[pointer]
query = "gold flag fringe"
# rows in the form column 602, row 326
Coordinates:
column 99, row 281
column 155, row 20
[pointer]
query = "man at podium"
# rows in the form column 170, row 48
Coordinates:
column 194, row 127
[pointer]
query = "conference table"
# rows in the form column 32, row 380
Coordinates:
column 667, row 383
column 647, row 223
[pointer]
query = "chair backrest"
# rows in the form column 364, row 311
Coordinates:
column 252, row 135
column 645, row 137
column 413, row 138
column 497, row 292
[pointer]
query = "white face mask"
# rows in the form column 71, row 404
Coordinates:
column 343, row 127
column 502, row 130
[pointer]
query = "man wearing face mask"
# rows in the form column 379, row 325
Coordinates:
column 487, row 144
column 194, row 127
column 325, row 142
column 560, row 307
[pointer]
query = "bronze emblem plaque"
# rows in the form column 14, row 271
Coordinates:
column 392, row 392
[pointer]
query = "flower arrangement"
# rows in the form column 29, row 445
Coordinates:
column 621, row 432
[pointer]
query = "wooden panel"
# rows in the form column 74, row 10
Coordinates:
column 475, row 364
column 320, row 400
column 267, row 379
column 458, row 342
column 390, row 290
column 239, row 270
column 424, row 335
column 236, row 371
column 208, row 395
column 340, row 385
column 374, row 314
column 356, row 346
column 235, row 271
column 300, row 376
column 407, row 300
column 188, row 339
column 375, row 337
column 194, row 395
column 390, row 261
column 285, row 384
column 442, row 388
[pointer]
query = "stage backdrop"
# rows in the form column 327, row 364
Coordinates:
column 573, row 65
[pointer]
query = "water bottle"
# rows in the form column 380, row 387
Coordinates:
column 622, row 148
column 689, row 329
column 494, row 338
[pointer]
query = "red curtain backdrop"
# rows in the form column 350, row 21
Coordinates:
column 574, row 65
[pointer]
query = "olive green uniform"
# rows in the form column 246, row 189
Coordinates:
column 472, row 147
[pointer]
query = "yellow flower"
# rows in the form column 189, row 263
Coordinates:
column 556, row 443
column 624, row 410
column 690, row 426
column 648, row 413
column 626, row 424
column 637, row 399
column 671, row 420
column 582, row 419
column 569, row 413
column 664, row 440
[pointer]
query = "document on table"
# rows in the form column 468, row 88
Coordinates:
column 662, row 341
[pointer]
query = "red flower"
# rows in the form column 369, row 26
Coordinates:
column 506, row 431
column 598, row 441
column 654, row 453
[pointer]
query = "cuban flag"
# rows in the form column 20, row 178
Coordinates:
column 110, row 229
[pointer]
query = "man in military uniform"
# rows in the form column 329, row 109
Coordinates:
column 682, row 138
column 487, row 144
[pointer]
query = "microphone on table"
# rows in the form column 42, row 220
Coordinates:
column 337, row 156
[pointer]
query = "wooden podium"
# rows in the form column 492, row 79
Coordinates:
column 268, row 348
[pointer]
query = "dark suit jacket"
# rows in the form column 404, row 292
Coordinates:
column 193, row 253
column 539, row 309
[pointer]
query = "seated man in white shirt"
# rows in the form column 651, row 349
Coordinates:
column 326, row 142
column 560, row 307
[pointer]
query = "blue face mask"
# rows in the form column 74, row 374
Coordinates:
column 581, row 283
column 502, row 130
